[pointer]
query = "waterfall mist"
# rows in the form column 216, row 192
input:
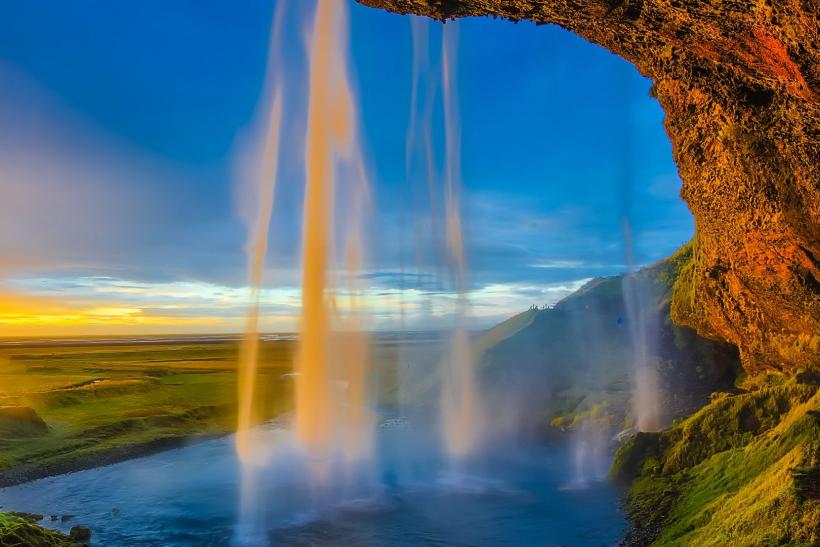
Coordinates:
column 638, row 302
column 348, row 441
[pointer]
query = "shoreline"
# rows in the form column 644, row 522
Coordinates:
column 24, row 474
column 554, row 444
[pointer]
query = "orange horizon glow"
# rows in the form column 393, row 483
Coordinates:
column 24, row 314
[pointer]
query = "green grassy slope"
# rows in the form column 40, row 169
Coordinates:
column 64, row 408
column 504, row 330
column 744, row 470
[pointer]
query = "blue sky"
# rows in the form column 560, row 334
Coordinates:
column 123, row 127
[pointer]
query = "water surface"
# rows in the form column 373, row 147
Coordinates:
column 516, row 496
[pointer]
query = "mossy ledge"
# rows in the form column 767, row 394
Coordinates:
column 741, row 471
column 16, row 531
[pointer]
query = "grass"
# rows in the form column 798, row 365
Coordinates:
column 739, row 471
column 504, row 330
column 727, row 474
column 104, row 402
column 66, row 407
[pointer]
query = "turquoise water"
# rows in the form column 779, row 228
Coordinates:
column 517, row 494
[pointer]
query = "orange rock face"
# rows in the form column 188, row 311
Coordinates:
column 739, row 84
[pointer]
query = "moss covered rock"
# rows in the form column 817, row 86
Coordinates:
column 20, row 532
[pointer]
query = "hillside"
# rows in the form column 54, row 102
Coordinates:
column 744, row 470
column 738, row 462
column 578, row 356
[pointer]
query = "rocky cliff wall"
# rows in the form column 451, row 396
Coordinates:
column 739, row 82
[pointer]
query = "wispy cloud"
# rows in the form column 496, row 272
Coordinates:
column 97, row 305
column 76, row 198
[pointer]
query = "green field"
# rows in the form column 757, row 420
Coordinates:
column 67, row 405
column 101, row 403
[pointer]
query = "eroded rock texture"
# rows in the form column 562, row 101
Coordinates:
column 739, row 83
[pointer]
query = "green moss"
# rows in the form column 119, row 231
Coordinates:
column 630, row 460
column 18, row 532
column 684, row 308
column 738, row 472
column 675, row 264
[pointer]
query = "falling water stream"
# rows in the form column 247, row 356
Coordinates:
column 331, row 362
column 334, row 427
column 328, row 124
column 460, row 418
column 256, row 250
column 263, row 186
column 645, row 383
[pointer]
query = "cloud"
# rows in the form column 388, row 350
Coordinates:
column 107, row 305
column 76, row 198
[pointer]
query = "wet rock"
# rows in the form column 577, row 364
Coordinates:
column 624, row 436
column 80, row 533
column 631, row 457
column 66, row 518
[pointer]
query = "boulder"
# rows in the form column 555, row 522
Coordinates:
column 80, row 533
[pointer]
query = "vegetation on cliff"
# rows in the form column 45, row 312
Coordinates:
column 741, row 471
column 740, row 88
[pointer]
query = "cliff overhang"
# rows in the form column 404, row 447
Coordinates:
column 740, row 86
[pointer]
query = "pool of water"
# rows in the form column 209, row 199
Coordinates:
column 516, row 494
